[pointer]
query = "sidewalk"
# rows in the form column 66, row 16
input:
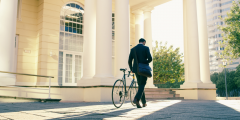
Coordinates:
column 161, row 109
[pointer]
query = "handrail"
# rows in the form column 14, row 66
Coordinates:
column 27, row 74
column 49, row 97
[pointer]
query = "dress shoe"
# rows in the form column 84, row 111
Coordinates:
column 145, row 105
column 135, row 101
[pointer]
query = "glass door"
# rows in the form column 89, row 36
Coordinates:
column 78, row 68
column 71, row 68
column 68, row 69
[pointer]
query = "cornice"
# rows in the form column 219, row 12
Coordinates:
column 147, row 9
column 147, row 4
column 137, row 12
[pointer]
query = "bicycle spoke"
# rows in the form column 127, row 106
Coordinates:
column 118, row 92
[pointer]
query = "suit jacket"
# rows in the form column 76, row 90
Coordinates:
column 143, row 56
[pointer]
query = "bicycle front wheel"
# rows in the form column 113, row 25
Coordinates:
column 133, row 92
column 118, row 93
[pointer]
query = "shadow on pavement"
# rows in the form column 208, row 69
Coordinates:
column 12, row 105
column 160, row 109
column 83, row 110
column 194, row 109
column 97, row 114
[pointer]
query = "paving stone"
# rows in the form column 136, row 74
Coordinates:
column 158, row 109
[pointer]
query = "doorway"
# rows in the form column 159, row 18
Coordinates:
column 70, row 67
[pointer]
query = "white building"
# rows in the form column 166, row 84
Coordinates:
column 75, row 41
column 215, row 9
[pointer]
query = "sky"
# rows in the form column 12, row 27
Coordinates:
column 167, row 23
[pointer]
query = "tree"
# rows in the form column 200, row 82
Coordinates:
column 214, row 78
column 237, row 76
column 231, row 34
column 167, row 64
column 175, row 84
column 233, row 80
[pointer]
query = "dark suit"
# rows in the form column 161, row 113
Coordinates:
column 143, row 56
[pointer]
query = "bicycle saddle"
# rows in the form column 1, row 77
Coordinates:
column 122, row 69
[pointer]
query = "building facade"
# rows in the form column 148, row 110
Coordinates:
column 216, row 9
column 84, row 43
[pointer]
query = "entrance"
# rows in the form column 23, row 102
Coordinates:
column 70, row 44
column 71, row 67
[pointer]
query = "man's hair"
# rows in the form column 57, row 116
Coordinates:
column 142, row 40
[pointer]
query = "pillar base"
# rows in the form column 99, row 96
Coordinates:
column 197, row 85
column 197, row 94
column 150, row 83
column 46, row 84
column 101, row 81
column 7, row 81
column 150, row 86
column 98, row 94
column 26, row 83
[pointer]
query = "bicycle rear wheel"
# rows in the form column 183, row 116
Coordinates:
column 118, row 93
column 133, row 92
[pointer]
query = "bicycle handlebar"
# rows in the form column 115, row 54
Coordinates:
column 129, row 72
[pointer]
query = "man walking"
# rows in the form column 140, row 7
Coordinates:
column 143, row 55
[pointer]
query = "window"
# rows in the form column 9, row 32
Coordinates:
column 19, row 9
column 231, row 68
column 218, row 11
column 113, row 42
column 226, row 9
column 211, row 1
column 216, row 42
column 15, row 53
column 70, row 44
column 71, row 28
column 113, row 32
column 234, row 63
column 219, row 35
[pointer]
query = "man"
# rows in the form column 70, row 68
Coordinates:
column 143, row 56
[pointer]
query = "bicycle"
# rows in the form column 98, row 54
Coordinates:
column 119, row 90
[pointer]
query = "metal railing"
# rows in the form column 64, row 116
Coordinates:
column 49, row 92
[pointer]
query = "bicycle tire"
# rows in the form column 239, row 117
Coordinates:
column 133, row 92
column 118, row 91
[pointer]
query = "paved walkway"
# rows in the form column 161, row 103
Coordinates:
column 161, row 109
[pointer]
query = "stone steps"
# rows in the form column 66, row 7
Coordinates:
column 174, row 98
column 161, row 94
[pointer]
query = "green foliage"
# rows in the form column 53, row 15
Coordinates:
column 232, row 77
column 167, row 64
column 231, row 34
column 237, row 76
column 175, row 84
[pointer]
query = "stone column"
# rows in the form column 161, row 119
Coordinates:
column 122, row 35
column 8, row 13
column 203, row 42
column 185, row 40
column 148, row 38
column 104, row 39
column 138, row 25
column 193, row 64
column 89, row 47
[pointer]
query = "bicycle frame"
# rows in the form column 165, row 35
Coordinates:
column 124, row 81
column 120, row 94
